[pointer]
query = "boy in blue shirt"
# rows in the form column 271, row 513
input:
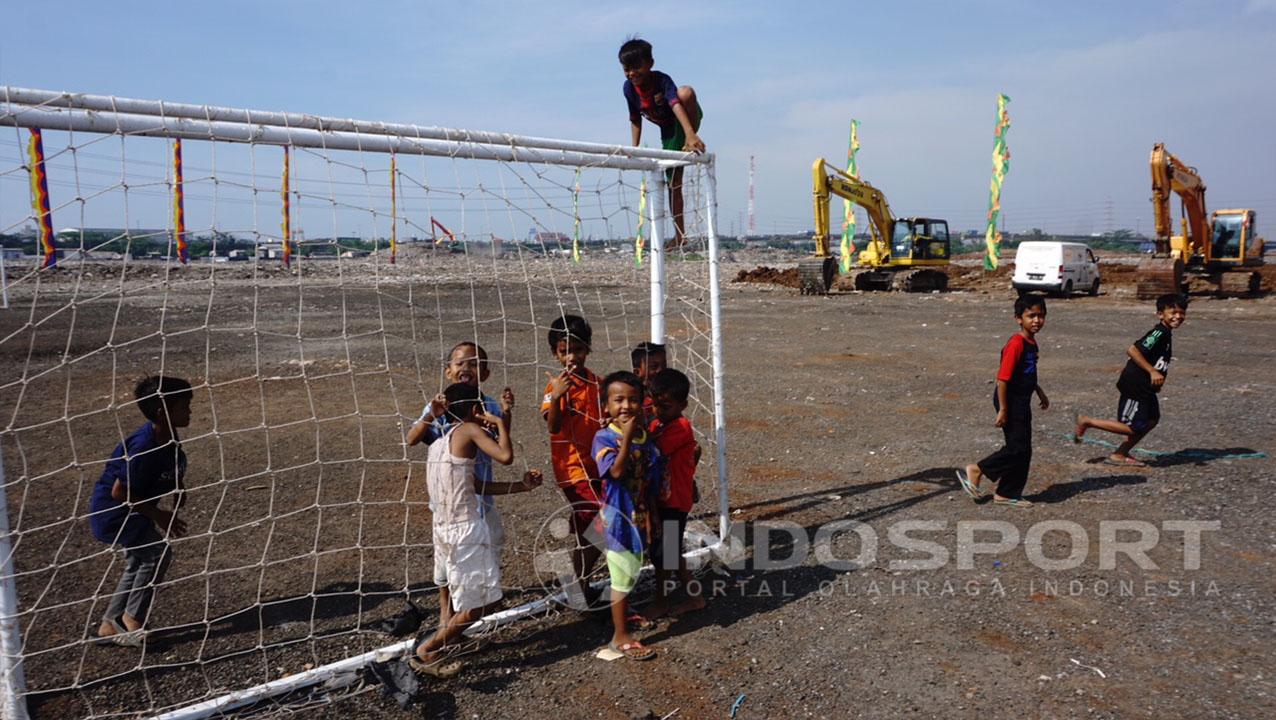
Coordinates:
column 675, row 110
column 124, row 509
column 632, row 474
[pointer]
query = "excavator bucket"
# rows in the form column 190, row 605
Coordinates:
column 815, row 275
column 1160, row 276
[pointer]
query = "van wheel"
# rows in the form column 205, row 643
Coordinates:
column 1067, row 288
column 1094, row 287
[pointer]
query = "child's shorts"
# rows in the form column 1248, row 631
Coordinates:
column 466, row 562
column 667, row 550
column 1140, row 414
column 624, row 568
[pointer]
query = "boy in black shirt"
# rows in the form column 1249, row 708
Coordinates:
column 1016, row 384
column 1138, row 410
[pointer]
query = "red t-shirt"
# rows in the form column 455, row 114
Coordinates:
column 677, row 442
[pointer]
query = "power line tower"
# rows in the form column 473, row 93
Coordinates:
column 753, row 222
column 1109, row 224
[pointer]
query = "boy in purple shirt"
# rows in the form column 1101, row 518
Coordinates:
column 124, row 509
column 675, row 110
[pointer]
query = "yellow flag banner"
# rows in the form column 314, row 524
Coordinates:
column 1000, row 166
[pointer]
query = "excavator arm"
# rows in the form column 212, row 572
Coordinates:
column 1171, row 175
column 829, row 181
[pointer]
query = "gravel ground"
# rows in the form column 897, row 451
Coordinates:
column 848, row 407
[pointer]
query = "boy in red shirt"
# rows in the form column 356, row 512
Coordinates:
column 1016, row 383
column 677, row 443
column 573, row 412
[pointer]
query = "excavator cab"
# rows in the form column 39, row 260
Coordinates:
column 1234, row 239
column 920, row 241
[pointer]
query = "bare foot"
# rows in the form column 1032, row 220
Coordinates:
column 974, row 475
column 691, row 604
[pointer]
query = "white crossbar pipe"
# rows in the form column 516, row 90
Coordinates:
column 150, row 126
column 161, row 108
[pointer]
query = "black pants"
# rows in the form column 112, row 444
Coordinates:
column 1009, row 465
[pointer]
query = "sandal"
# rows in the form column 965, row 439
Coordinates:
column 438, row 669
column 638, row 621
column 122, row 635
column 969, row 487
column 633, row 650
column 1013, row 502
column 1124, row 461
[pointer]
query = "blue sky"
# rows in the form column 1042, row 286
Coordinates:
column 1092, row 86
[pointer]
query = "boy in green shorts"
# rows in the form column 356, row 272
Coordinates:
column 675, row 110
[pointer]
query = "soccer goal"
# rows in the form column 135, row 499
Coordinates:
column 307, row 275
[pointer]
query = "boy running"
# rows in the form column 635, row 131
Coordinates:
column 1138, row 410
column 1016, row 383
column 675, row 110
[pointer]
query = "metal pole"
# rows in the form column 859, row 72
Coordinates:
column 146, row 125
column 4, row 281
column 13, row 686
column 50, row 99
column 715, row 321
column 657, row 210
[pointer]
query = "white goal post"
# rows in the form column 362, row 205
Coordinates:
column 491, row 181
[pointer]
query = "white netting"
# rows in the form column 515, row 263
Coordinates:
column 307, row 512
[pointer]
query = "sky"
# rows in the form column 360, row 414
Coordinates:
column 1092, row 85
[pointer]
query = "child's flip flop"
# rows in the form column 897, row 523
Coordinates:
column 1127, row 461
column 437, row 669
column 1013, row 502
column 966, row 485
column 633, row 650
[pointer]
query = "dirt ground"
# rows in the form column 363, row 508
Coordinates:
column 309, row 524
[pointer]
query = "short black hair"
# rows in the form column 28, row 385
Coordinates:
column 153, row 392
column 482, row 354
column 672, row 384
column 634, row 52
column 1025, row 302
column 639, row 354
column 461, row 399
column 570, row 326
column 622, row 376
column 1171, row 300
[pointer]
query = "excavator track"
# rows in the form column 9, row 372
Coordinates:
column 921, row 280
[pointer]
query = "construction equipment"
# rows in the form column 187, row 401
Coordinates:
column 1212, row 251
column 903, row 253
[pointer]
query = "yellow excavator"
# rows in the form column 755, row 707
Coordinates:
column 905, row 254
column 1213, row 250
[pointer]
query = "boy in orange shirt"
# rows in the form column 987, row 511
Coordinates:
column 677, row 443
column 573, row 413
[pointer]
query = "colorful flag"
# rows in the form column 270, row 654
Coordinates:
column 848, row 207
column 394, row 213
column 1000, row 166
column 576, row 216
column 287, row 223
column 40, row 199
column 639, row 243
column 179, row 204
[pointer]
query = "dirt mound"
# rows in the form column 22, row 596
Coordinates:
column 765, row 274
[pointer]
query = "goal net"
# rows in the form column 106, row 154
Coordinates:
column 308, row 276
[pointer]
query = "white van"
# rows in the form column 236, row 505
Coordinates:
column 1059, row 267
